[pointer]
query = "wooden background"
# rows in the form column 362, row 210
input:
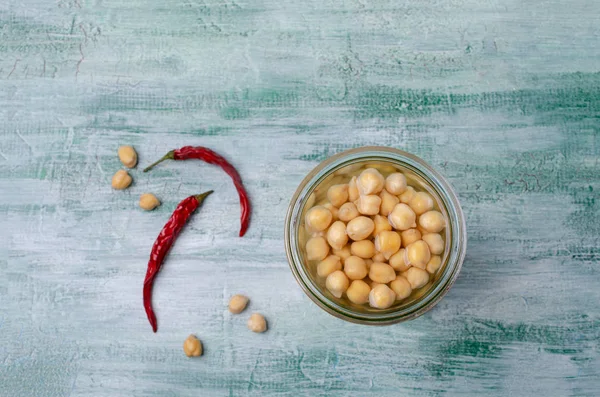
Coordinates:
column 502, row 96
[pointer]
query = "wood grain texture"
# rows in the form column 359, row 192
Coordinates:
column 503, row 97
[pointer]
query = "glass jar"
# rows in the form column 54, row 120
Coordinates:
column 337, row 169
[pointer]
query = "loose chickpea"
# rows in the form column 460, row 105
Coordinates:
column 355, row 268
column 364, row 249
column 257, row 323
column 329, row 265
column 417, row 254
column 343, row 253
column 388, row 243
column 434, row 264
column 435, row 243
column 316, row 249
column 381, row 297
column 353, row 190
column 388, row 202
column 416, row 277
column 337, row 283
column 334, row 211
column 318, row 218
column 338, row 194
column 192, row 347
column 360, row 228
column 370, row 181
column 421, row 202
column 401, row 287
column 358, row 292
column 347, row 212
column 128, row 156
column 368, row 205
column 407, row 195
column 381, row 273
column 378, row 257
column 148, row 201
column 368, row 262
column 410, row 236
column 395, row 183
column 336, row 235
column 397, row 261
column 237, row 303
column 121, row 180
column 402, row 217
column 381, row 224
column 432, row 221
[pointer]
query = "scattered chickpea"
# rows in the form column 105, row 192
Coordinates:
column 381, row 224
column 318, row 218
column 329, row 265
column 336, row 235
column 355, row 268
column 353, row 190
column 257, row 323
column 317, row 248
column 364, row 249
column 368, row 205
column 388, row 243
column 417, row 254
column 343, row 253
column 338, row 194
column 416, row 277
column 381, row 273
column 410, row 236
column 358, row 292
column 347, row 212
column 407, row 195
column 237, row 303
column 401, row 287
column 435, row 243
column 378, row 257
column 360, row 228
column 381, row 297
column 432, row 221
column 121, row 180
column 395, row 183
column 337, row 283
column 397, row 261
column 434, row 264
column 402, row 217
column 388, row 202
column 128, row 156
column 192, row 347
column 370, row 181
column 148, row 201
column 369, row 262
column 421, row 202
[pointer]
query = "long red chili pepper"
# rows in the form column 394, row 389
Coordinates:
column 209, row 156
column 163, row 243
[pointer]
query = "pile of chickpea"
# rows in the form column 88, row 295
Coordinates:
column 375, row 239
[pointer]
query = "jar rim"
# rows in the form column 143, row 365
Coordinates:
column 436, row 181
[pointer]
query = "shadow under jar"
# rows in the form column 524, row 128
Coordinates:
column 340, row 169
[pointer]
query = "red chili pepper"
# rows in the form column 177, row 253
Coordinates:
column 209, row 156
column 163, row 243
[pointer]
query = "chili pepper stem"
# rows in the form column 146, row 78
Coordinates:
column 168, row 156
column 201, row 197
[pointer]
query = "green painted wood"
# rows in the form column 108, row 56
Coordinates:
column 503, row 97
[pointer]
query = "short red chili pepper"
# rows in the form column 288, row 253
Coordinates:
column 163, row 243
column 209, row 156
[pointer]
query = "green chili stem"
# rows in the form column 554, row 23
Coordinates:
column 168, row 156
column 201, row 197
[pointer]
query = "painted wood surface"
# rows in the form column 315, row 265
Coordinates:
column 503, row 97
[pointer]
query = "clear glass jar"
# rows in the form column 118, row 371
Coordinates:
column 337, row 169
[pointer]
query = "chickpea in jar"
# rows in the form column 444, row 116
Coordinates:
column 373, row 238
